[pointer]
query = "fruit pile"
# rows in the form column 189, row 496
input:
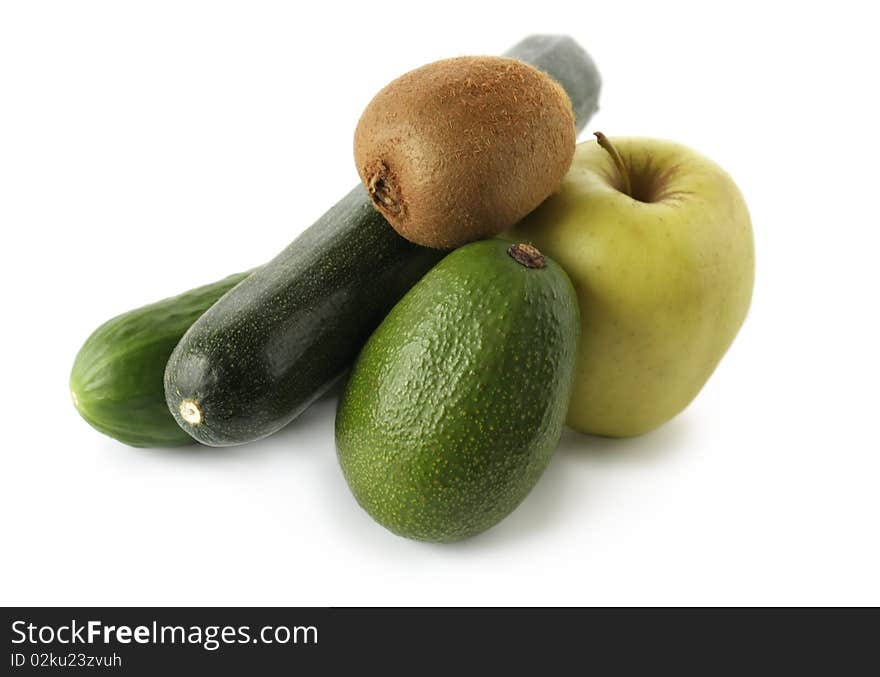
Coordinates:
column 490, row 282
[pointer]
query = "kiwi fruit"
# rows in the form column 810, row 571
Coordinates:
column 461, row 149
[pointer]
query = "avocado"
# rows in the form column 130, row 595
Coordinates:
column 456, row 402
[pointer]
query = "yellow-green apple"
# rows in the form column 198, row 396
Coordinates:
column 658, row 243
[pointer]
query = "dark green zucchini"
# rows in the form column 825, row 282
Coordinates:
column 260, row 356
column 249, row 366
column 116, row 380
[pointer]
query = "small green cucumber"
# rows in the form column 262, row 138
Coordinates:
column 116, row 381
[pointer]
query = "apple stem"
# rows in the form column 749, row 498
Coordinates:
column 605, row 143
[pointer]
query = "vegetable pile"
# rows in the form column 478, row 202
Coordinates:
column 459, row 286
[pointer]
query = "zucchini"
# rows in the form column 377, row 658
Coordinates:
column 275, row 343
column 280, row 339
column 116, row 380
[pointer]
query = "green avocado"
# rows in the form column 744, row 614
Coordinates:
column 457, row 401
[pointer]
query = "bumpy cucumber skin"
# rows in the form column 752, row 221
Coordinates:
column 116, row 380
column 457, row 401
column 264, row 353
column 255, row 361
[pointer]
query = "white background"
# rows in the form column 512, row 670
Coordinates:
column 146, row 148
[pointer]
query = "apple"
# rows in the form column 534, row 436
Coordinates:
column 658, row 243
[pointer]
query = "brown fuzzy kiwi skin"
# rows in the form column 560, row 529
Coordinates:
column 461, row 149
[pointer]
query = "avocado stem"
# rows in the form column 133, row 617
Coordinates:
column 526, row 255
column 605, row 143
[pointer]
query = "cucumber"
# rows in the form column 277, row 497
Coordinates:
column 116, row 380
column 268, row 349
